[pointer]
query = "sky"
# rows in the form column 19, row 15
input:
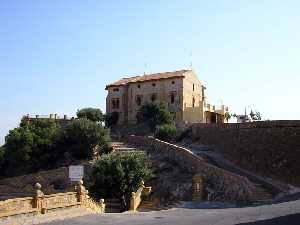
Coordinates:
column 57, row 56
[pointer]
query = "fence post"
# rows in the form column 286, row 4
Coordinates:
column 39, row 199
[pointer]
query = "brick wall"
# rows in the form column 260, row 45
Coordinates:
column 227, row 186
column 268, row 147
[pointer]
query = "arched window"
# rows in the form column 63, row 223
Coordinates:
column 193, row 102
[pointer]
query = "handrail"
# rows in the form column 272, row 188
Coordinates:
column 136, row 197
column 40, row 203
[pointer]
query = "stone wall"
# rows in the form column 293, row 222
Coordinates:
column 136, row 197
column 225, row 185
column 40, row 203
column 268, row 147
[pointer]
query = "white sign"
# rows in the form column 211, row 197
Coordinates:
column 76, row 173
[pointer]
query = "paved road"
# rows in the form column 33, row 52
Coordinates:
column 182, row 216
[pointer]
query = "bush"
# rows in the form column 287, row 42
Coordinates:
column 118, row 175
column 83, row 138
column 166, row 132
column 92, row 114
column 154, row 115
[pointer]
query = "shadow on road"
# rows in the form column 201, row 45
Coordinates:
column 293, row 219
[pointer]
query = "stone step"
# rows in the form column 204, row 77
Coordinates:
column 112, row 205
column 147, row 206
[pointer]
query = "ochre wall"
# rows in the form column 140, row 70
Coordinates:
column 162, row 89
column 192, row 114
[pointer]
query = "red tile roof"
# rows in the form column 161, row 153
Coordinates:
column 150, row 77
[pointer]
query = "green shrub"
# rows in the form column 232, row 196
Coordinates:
column 92, row 114
column 154, row 115
column 166, row 132
column 111, row 119
column 118, row 175
column 83, row 138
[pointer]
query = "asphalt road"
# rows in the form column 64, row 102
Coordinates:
column 277, row 214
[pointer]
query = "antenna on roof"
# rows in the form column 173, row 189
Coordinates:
column 191, row 60
column 145, row 68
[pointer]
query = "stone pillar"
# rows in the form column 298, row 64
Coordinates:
column 197, row 187
column 132, row 201
column 39, row 199
column 102, row 205
column 81, row 192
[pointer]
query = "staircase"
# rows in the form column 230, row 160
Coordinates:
column 112, row 205
column 262, row 195
column 147, row 206
column 94, row 206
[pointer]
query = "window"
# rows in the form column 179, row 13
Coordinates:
column 138, row 100
column 173, row 82
column 116, row 89
column 193, row 87
column 172, row 98
column 153, row 97
column 139, row 86
column 115, row 103
column 153, row 84
column 193, row 102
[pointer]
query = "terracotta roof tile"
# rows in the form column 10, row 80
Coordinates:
column 155, row 76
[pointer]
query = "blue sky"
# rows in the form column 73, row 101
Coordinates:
column 57, row 56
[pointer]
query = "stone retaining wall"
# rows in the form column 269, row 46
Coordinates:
column 271, row 148
column 225, row 185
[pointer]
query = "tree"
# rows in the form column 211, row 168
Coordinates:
column 2, row 151
column 166, row 132
column 154, row 115
column 92, row 114
column 30, row 146
column 255, row 115
column 118, row 175
column 83, row 138
column 227, row 116
column 111, row 119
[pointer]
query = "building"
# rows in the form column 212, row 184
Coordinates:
column 181, row 91
column 63, row 121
